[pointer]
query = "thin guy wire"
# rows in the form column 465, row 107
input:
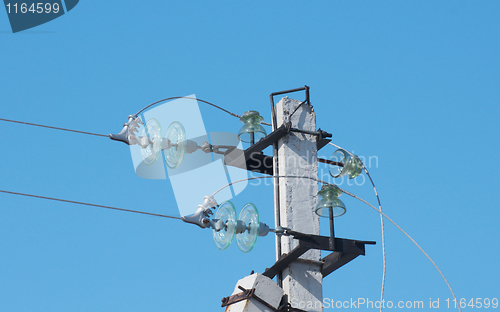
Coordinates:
column 383, row 236
column 190, row 98
column 381, row 226
column 414, row 242
column 93, row 205
column 50, row 127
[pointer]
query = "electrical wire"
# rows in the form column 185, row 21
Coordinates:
column 381, row 226
column 149, row 213
column 87, row 204
column 104, row 135
column 195, row 99
column 414, row 242
column 50, row 127
column 268, row 177
column 296, row 108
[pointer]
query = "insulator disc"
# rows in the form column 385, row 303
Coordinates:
column 177, row 136
column 250, row 216
column 347, row 165
column 341, row 157
column 227, row 214
column 153, row 132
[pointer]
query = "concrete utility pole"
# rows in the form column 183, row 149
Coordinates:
column 297, row 156
column 299, row 267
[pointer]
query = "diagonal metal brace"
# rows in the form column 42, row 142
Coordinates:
column 345, row 251
column 286, row 260
column 335, row 260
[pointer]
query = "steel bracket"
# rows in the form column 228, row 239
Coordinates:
column 254, row 160
column 344, row 251
column 244, row 295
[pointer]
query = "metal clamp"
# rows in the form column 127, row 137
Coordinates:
column 244, row 295
column 129, row 128
column 200, row 217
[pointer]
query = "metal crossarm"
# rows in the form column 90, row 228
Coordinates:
column 253, row 159
column 345, row 251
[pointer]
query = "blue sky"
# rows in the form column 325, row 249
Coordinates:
column 413, row 83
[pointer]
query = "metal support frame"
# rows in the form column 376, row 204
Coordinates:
column 343, row 252
column 253, row 159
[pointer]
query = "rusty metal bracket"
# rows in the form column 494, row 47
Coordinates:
column 244, row 295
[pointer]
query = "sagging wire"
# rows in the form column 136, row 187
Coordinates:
column 56, row 128
column 88, row 204
column 105, row 135
column 414, row 242
column 190, row 98
column 381, row 225
column 268, row 177
column 296, row 108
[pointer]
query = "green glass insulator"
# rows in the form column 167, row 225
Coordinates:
column 251, row 127
column 345, row 165
column 330, row 201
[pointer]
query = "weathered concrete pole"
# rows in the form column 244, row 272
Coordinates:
column 297, row 156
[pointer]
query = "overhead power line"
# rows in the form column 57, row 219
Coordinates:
column 105, row 135
column 50, row 127
column 93, row 205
